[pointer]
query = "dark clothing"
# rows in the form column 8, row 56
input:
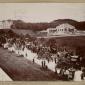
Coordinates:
column 44, row 63
column 33, row 60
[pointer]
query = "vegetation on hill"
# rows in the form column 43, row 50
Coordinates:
column 19, row 24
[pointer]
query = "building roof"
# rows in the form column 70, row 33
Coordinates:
column 65, row 25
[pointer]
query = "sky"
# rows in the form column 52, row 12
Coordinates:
column 42, row 12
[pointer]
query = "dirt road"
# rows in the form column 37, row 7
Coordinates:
column 21, row 69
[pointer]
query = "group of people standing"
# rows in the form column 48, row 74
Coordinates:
column 71, row 74
column 63, row 73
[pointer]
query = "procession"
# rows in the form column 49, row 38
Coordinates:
column 66, row 65
column 42, row 42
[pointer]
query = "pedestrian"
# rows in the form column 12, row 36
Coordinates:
column 33, row 60
column 46, row 67
column 42, row 64
column 48, row 60
column 78, row 75
column 55, row 60
column 62, row 73
column 66, row 73
column 71, row 73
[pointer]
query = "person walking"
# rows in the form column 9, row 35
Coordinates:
column 33, row 60
column 42, row 64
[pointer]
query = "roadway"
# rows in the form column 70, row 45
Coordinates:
column 21, row 69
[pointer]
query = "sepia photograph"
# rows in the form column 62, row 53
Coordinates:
column 42, row 42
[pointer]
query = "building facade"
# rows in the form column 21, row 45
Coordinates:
column 63, row 29
column 6, row 24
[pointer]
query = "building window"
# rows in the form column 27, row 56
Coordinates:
column 65, row 29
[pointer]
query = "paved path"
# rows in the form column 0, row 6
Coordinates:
column 4, row 76
column 21, row 69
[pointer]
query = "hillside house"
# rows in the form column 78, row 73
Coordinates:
column 62, row 29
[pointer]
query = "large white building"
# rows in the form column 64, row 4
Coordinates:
column 62, row 29
column 6, row 24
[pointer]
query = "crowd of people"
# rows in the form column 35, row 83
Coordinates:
column 65, row 63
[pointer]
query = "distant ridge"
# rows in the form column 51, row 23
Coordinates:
column 19, row 24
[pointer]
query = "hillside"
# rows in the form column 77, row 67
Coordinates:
column 8, row 33
column 18, row 24
column 24, row 32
